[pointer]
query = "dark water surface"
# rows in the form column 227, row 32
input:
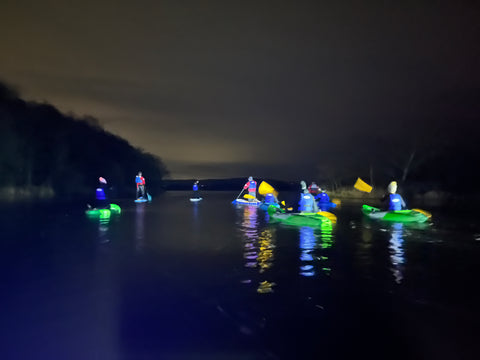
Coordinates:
column 179, row 280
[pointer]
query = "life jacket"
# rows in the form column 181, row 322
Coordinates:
column 395, row 202
column 100, row 194
column 323, row 197
column 306, row 203
column 195, row 187
column 269, row 199
column 139, row 180
column 313, row 189
column 252, row 186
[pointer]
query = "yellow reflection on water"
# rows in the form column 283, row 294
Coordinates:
column 258, row 246
column 265, row 250
column 265, row 287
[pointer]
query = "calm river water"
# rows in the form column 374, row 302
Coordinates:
column 178, row 280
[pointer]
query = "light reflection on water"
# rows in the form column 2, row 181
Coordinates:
column 307, row 245
column 393, row 237
column 139, row 227
column 249, row 229
column 397, row 256
column 103, row 223
column 266, row 244
column 259, row 245
column 313, row 243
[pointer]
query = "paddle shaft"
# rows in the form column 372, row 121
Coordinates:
column 240, row 193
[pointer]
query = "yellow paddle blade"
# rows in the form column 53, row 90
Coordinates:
column 336, row 201
column 426, row 213
column 328, row 215
column 265, row 188
column 248, row 196
column 283, row 203
column 362, row 186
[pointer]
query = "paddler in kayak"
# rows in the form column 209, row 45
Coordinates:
column 140, row 181
column 195, row 187
column 307, row 201
column 323, row 200
column 101, row 197
column 270, row 199
column 322, row 196
column 251, row 185
column 395, row 201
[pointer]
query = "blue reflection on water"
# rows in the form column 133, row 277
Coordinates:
column 307, row 244
column 139, row 227
column 396, row 251
column 310, row 241
column 249, row 229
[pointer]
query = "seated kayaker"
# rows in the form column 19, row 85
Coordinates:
column 313, row 188
column 395, row 201
column 307, row 201
column 270, row 199
column 101, row 197
column 195, row 190
column 251, row 185
column 322, row 197
column 323, row 201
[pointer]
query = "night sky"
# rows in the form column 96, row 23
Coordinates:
column 262, row 88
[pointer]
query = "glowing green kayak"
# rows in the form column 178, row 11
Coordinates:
column 104, row 213
column 402, row 216
column 298, row 219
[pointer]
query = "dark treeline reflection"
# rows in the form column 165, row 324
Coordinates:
column 41, row 147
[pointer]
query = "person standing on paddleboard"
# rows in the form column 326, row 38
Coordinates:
column 251, row 185
column 195, row 187
column 140, row 181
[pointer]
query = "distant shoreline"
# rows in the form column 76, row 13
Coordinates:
column 13, row 193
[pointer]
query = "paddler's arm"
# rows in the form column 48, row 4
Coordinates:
column 404, row 205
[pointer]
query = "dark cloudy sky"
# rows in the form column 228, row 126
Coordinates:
column 233, row 88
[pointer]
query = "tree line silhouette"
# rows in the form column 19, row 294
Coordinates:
column 440, row 153
column 41, row 147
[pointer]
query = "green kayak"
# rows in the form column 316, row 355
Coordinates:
column 104, row 213
column 402, row 216
column 298, row 219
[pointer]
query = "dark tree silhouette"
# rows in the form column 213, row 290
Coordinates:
column 39, row 146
